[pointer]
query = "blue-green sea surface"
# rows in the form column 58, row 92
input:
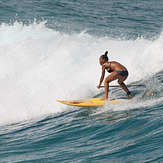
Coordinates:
column 49, row 50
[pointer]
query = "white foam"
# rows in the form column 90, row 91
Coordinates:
column 39, row 65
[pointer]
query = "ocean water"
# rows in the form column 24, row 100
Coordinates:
column 49, row 50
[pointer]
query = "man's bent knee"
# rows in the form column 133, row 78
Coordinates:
column 121, row 83
column 106, row 81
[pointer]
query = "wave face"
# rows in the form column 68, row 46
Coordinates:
column 40, row 65
column 117, row 133
column 50, row 50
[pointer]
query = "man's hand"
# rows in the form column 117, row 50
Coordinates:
column 98, row 86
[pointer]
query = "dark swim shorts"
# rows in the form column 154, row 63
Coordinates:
column 123, row 73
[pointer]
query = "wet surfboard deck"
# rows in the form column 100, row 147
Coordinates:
column 95, row 102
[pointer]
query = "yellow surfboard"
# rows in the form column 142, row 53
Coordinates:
column 94, row 102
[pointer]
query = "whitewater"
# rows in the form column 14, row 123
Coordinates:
column 49, row 50
column 40, row 65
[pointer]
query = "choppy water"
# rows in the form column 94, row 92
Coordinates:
column 49, row 50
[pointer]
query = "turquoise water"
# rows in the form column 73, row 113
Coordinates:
column 49, row 51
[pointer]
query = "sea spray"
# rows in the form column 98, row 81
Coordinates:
column 39, row 65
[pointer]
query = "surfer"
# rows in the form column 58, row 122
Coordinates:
column 117, row 71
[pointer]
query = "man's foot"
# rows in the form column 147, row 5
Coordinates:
column 104, row 99
column 130, row 96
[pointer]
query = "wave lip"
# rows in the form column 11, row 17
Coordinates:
column 39, row 65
